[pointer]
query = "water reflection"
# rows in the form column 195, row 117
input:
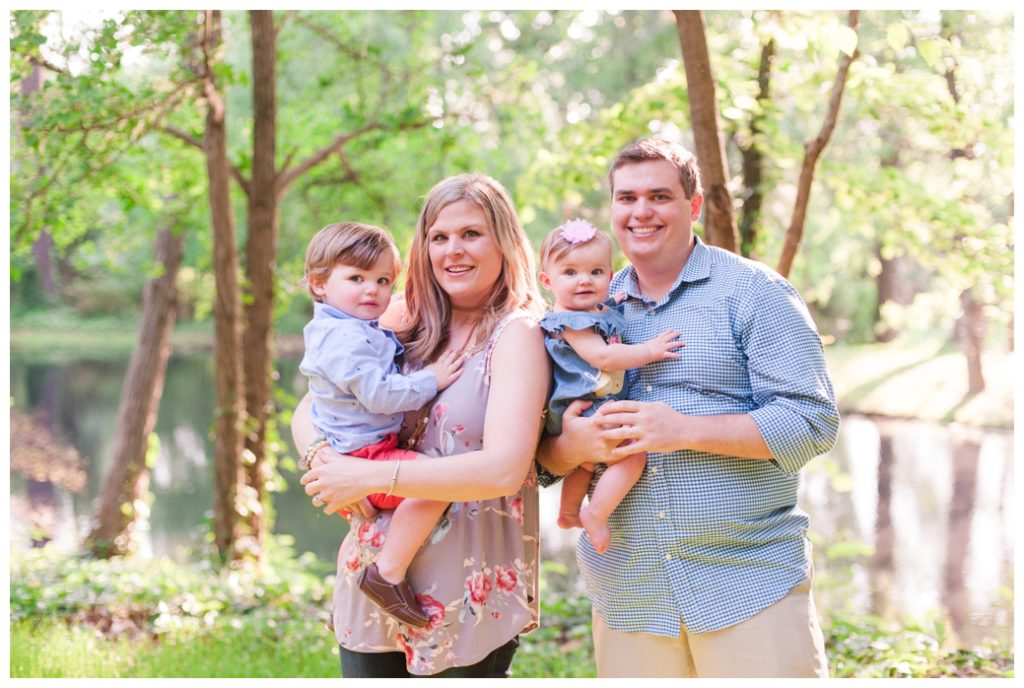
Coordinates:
column 933, row 506
column 911, row 520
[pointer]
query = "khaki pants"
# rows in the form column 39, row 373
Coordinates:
column 783, row 640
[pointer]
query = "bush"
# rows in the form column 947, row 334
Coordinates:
column 126, row 617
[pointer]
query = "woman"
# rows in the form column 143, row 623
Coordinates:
column 470, row 289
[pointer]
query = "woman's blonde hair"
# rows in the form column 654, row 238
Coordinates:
column 428, row 307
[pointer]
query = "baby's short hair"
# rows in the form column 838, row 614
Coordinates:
column 347, row 243
column 555, row 245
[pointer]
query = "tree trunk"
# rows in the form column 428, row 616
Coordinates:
column 969, row 329
column 753, row 157
column 970, row 332
column 719, row 224
column 228, row 440
column 260, row 260
column 127, row 482
column 42, row 247
column 812, row 151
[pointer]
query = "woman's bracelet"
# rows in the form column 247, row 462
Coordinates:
column 318, row 443
column 394, row 478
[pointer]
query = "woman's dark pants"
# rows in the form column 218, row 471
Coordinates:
column 392, row 664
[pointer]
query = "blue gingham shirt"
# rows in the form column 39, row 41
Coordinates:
column 703, row 539
column 359, row 394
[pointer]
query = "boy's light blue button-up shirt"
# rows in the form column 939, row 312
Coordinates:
column 703, row 539
column 359, row 394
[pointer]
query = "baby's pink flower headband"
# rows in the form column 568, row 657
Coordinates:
column 578, row 231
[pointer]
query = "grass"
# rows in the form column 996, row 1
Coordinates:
column 133, row 618
column 48, row 648
column 926, row 381
column 61, row 335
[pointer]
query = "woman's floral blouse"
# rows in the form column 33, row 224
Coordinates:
column 476, row 576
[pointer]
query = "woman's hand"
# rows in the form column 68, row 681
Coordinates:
column 362, row 507
column 334, row 483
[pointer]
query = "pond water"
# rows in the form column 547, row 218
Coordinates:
column 911, row 521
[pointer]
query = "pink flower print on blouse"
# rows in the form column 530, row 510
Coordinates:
column 505, row 578
column 440, row 409
column 433, row 608
column 354, row 561
column 515, row 507
column 478, row 589
column 369, row 535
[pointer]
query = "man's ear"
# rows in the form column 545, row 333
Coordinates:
column 696, row 203
column 544, row 280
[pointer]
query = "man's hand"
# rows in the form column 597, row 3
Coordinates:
column 644, row 426
column 583, row 440
column 656, row 427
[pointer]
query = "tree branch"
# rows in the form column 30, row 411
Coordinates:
column 191, row 140
column 287, row 177
column 812, row 151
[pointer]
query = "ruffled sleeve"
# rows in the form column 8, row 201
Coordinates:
column 608, row 321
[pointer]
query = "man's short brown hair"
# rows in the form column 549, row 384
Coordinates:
column 645, row 150
column 347, row 243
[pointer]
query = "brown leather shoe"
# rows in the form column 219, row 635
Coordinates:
column 397, row 600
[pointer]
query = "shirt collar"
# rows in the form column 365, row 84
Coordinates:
column 696, row 268
column 322, row 310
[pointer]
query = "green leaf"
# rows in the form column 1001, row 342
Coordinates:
column 846, row 39
column 897, row 36
column 930, row 50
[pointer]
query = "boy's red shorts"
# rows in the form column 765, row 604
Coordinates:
column 385, row 450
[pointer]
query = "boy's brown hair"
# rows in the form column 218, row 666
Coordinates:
column 346, row 243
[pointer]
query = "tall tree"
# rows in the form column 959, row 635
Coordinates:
column 260, row 264
column 720, row 225
column 753, row 155
column 228, row 371
column 969, row 330
column 126, row 484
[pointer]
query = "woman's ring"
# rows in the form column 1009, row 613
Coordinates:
column 318, row 498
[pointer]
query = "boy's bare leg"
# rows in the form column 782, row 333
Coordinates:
column 613, row 485
column 410, row 527
column 574, row 489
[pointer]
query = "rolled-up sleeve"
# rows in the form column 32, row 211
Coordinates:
column 795, row 407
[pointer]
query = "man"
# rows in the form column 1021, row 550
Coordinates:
column 708, row 573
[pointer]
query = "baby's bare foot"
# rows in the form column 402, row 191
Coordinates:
column 597, row 530
column 569, row 519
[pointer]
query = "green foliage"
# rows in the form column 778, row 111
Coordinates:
column 871, row 648
column 562, row 647
column 540, row 100
column 72, row 617
column 160, row 596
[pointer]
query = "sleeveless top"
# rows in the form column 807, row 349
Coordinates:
column 574, row 377
column 476, row 575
